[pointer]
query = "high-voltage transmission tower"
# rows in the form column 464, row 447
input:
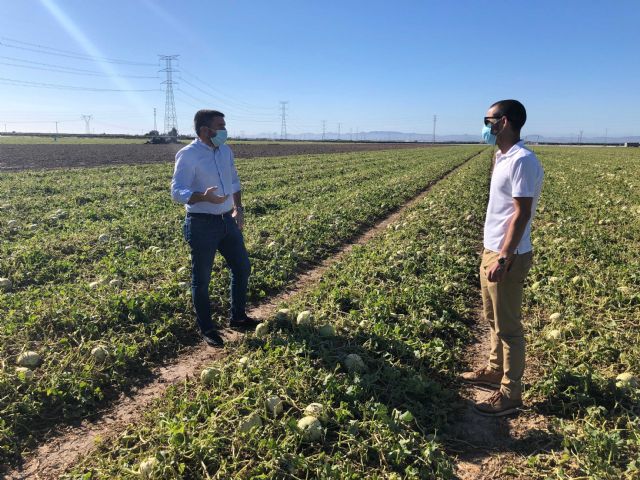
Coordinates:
column 283, row 126
column 87, row 120
column 170, row 117
column 435, row 119
column 324, row 128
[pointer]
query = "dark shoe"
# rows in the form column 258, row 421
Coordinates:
column 213, row 338
column 498, row 405
column 483, row 376
column 243, row 323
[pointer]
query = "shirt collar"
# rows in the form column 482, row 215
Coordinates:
column 511, row 151
column 200, row 143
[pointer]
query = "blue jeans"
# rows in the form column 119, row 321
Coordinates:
column 205, row 235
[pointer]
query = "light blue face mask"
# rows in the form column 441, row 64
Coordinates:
column 220, row 138
column 487, row 136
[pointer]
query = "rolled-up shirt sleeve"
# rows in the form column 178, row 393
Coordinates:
column 236, row 186
column 183, row 175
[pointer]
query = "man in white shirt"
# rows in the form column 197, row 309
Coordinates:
column 516, row 183
column 206, row 181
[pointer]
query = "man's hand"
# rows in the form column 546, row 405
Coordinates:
column 238, row 216
column 497, row 272
column 211, row 197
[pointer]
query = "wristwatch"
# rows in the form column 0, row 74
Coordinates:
column 502, row 261
column 240, row 209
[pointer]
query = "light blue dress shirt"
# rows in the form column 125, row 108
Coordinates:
column 198, row 167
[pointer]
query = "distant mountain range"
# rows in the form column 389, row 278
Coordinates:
column 390, row 136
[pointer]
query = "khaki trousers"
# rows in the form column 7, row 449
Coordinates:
column 502, row 306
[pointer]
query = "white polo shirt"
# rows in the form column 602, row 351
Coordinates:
column 517, row 173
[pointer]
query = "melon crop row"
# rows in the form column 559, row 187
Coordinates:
column 583, row 313
column 349, row 380
column 96, row 271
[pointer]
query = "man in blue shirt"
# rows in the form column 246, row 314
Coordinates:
column 206, row 181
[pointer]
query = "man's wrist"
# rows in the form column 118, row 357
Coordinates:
column 504, row 259
column 239, row 208
column 506, row 255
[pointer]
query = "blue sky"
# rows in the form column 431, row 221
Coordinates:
column 368, row 65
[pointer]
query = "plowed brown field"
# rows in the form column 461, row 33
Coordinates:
column 21, row 157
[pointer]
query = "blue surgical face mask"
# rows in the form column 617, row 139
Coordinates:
column 220, row 138
column 487, row 136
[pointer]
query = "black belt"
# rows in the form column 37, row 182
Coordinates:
column 209, row 215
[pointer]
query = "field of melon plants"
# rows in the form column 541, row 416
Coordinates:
column 583, row 313
column 350, row 380
column 94, row 270
column 355, row 376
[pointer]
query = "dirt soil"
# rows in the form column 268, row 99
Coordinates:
column 66, row 446
column 487, row 448
column 21, row 157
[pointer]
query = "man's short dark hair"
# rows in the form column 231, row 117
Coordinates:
column 203, row 118
column 514, row 111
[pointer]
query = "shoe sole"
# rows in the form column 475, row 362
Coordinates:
column 502, row 413
column 213, row 343
column 485, row 384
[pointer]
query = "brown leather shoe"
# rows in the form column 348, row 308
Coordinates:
column 483, row 376
column 498, row 405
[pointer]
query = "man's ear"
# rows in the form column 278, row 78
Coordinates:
column 507, row 124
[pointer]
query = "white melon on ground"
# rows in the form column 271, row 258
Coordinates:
column 249, row 423
column 304, row 318
column 316, row 410
column 29, row 359
column 283, row 314
column 311, row 428
column 327, row 331
column 99, row 354
column 626, row 380
column 5, row 284
column 262, row 330
column 148, row 467
column 274, row 405
column 354, row 363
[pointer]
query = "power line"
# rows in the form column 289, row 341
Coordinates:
column 63, row 70
column 201, row 101
column 232, row 104
column 25, row 83
column 217, row 92
column 34, row 47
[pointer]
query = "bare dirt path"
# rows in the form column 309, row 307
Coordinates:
column 486, row 446
column 57, row 454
